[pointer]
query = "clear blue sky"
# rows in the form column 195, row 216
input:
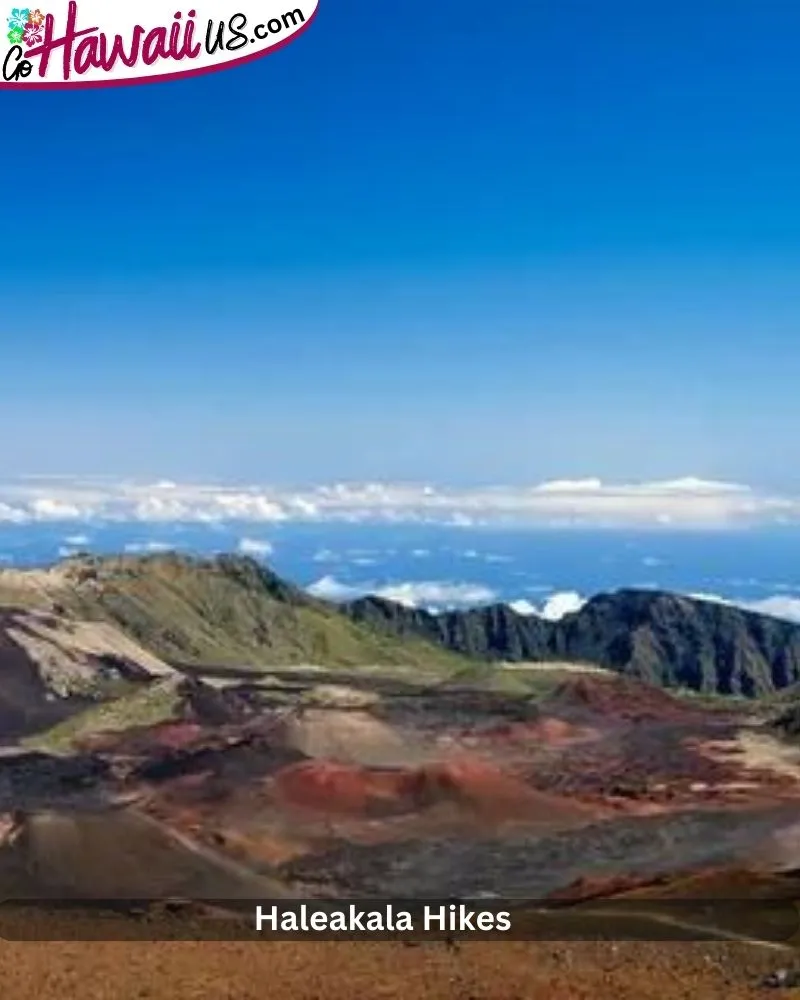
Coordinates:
column 456, row 241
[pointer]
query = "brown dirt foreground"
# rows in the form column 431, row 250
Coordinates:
column 342, row 971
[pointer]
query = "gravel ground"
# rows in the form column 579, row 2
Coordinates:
column 344, row 971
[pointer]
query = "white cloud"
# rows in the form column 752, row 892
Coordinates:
column 778, row 605
column 77, row 540
column 712, row 598
column 555, row 606
column 438, row 594
column 690, row 502
column 462, row 520
column 570, row 486
column 328, row 588
column 523, row 607
column 325, row 555
column 562, row 603
column 259, row 548
column 13, row 515
column 691, row 484
column 489, row 557
column 429, row 593
column 148, row 547
column 52, row 509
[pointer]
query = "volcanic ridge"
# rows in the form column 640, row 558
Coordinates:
column 202, row 729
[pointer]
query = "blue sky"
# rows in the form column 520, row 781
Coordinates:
column 449, row 241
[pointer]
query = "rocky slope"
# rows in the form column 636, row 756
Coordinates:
column 54, row 665
column 666, row 639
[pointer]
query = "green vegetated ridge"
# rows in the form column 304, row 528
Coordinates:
column 226, row 611
column 231, row 611
column 146, row 705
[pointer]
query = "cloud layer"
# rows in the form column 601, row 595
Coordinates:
column 679, row 503
column 777, row 605
column 427, row 593
column 558, row 604
column 259, row 548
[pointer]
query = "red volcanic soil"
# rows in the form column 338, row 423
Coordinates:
column 711, row 883
column 310, row 970
column 341, row 789
column 619, row 698
column 584, row 889
column 164, row 736
column 338, row 788
column 548, row 731
column 175, row 735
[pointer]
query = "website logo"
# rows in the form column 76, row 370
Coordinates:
column 94, row 43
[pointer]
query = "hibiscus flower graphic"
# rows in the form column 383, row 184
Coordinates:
column 33, row 34
column 15, row 36
column 19, row 18
column 36, row 17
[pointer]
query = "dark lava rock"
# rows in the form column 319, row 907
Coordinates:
column 29, row 779
column 665, row 639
